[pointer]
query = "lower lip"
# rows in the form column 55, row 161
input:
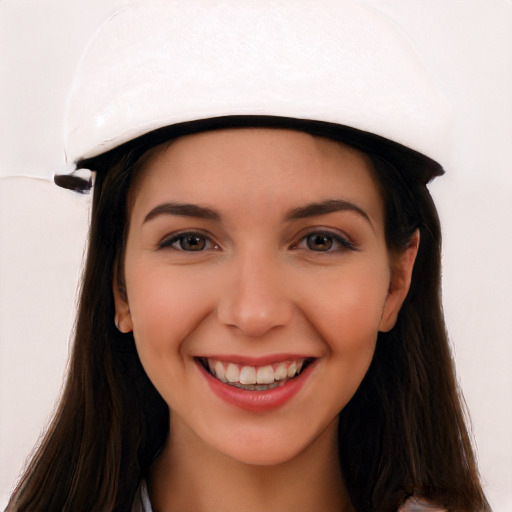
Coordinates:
column 257, row 400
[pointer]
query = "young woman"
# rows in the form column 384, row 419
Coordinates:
column 260, row 323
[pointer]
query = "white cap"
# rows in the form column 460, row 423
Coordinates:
column 156, row 64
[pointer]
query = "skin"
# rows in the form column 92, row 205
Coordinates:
column 258, row 287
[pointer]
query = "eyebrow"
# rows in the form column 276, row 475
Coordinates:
column 310, row 210
column 183, row 210
column 324, row 207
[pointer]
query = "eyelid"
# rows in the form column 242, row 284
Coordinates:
column 168, row 240
column 342, row 239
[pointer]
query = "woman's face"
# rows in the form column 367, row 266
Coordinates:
column 257, row 278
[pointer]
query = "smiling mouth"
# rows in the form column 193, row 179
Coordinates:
column 254, row 378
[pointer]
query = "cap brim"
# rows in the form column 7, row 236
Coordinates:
column 410, row 163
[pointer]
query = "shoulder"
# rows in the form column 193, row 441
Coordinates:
column 419, row 505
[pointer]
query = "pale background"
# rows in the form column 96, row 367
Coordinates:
column 467, row 45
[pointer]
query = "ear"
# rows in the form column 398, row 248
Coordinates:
column 400, row 281
column 123, row 318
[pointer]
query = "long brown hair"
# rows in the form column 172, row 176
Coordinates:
column 402, row 434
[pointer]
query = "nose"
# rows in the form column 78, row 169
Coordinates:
column 255, row 299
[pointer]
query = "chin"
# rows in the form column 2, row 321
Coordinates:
column 264, row 454
column 267, row 447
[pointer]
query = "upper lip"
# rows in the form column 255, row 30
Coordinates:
column 256, row 360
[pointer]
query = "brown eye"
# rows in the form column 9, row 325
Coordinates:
column 190, row 242
column 319, row 242
column 325, row 241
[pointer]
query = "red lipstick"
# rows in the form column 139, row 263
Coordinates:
column 257, row 400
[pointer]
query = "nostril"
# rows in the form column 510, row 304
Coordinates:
column 256, row 298
column 255, row 320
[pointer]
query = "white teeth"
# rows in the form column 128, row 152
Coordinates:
column 232, row 373
column 292, row 370
column 265, row 375
column 219, row 371
column 248, row 375
column 251, row 377
column 280, row 373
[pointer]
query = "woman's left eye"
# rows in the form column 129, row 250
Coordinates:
column 324, row 241
column 191, row 242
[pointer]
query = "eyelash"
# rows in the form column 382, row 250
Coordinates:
column 180, row 237
column 338, row 242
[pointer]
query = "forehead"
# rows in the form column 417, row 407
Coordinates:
column 254, row 167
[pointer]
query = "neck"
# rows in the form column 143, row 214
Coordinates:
column 191, row 476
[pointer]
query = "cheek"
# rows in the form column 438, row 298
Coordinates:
column 165, row 305
column 347, row 316
column 348, row 310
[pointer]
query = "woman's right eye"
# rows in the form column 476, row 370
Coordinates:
column 191, row 242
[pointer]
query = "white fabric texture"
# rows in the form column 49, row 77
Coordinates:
column 161, row 63
column 418, row 505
